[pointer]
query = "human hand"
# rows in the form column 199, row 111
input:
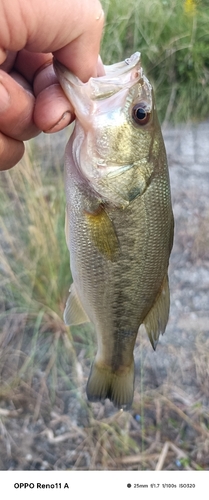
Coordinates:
column 31, row 32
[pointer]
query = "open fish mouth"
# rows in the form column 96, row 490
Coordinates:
column 117, row 76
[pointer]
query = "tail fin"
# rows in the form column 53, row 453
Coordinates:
column 103, row 383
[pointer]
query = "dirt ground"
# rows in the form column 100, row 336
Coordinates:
column 168, row 426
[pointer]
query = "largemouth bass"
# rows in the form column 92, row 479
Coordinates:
column 119, row 225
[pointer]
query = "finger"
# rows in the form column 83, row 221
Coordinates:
column 73, row 31
column 9, row 62
column 44, row 78
column 29, row 64
column 11, row 151
column 81, row 55
column 16, row 109
column 52, row 110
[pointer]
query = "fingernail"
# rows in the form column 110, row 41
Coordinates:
column 65, row 119
column 4, row 98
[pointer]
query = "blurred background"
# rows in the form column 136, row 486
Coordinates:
column 46, row 422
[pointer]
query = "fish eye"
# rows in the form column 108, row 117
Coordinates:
column 139, row 114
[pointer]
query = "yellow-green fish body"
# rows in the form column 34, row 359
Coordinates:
column 119, row 225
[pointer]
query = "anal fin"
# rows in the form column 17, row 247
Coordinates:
column 157, row 318
column 74, row 313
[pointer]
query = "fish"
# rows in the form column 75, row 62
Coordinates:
column 119, row 220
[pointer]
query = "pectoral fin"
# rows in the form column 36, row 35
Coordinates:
column 157, row 318
column 102, row 232
column 74, row 313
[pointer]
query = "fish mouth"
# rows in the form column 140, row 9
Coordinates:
column 123, row 67
column 117, row 76
column 112, row 70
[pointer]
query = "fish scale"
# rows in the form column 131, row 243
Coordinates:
column 119, row 221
